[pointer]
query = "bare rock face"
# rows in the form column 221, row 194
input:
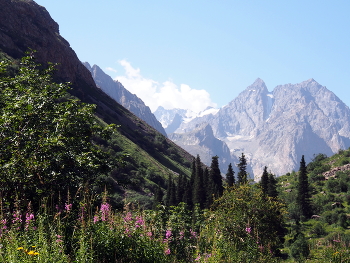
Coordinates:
column 201, row 141
column 26, row 25
column 120, row 94
column 276, row 128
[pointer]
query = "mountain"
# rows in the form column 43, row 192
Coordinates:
column 120, row 94
column 276, row 128
column 152, row 157
column 201, row 141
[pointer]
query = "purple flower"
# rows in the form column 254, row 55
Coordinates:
column 128, row 217
column 139, row 221
column 193, row 233
column 248, row 230
column 167, row 251
column 105, row 210
column 68, row 207
column 168, row 234
column 96, row 219
column 29, row 219
column 149, row 234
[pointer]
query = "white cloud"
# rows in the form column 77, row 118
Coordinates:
column 111, row 69
column 166, row 94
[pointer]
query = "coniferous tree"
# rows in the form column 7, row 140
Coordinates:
column 172, row 200
column 198, row 191
column 180, row 190
column 230, row 176
column 215, row 174
column 264, row 182
column 158, row 197
column 206, row 186
column 242, row 176
column 303, row 197
column 188, row 194
column 168, row 192
column 272, row 186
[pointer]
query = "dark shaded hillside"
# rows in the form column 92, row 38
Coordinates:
column 25, row 25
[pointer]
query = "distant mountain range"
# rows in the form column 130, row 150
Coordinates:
column 273, row 129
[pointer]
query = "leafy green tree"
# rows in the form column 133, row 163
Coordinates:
column 264, row 182
column 230, row 176
column 303, row 197
column 243, row 222
column 46, row 136
column 242, row 176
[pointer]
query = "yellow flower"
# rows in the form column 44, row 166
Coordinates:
column 33, row 253
column 20, row 248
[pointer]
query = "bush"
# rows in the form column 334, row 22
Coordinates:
column 299, row 250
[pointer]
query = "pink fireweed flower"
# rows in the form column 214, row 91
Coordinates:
column 248, row 230
column 29, row 219
column 96, row 219
column 168, row 234
column 128, row 217
column 17, row 218
column 105, row 211
column 139, row 221
column 68, row 207
column 181, row 234
column 167, row 251
column 193, row 233
column 149, row 234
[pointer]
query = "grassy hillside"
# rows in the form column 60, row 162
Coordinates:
column 327, row 232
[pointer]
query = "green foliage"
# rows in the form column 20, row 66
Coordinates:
column 242, row 220
column 299, row 250
column 303, row 197
column 242, row 176
column 46, row 136
column 230, row 176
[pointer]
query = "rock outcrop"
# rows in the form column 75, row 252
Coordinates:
column 121, row 95
column 276, row 128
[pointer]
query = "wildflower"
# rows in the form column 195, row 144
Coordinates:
column 68, row 207
column 128, row 217
column 167, row 251
column 149, row 234
column 96, row 219
column 105, row 210
column 168, row 234
column 193, row 233
column 338, row 241
column 17, row 217
column 33, row 253
column 29, row 219
column 139, row 221
column 198, row 258
column 181, row 234
column 20, row 248
column 248, row 230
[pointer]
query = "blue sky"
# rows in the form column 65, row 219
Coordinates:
column 192, row 54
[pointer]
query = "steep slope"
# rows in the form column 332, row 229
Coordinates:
column 130, row 101
column 24, row 25
column 276, row 128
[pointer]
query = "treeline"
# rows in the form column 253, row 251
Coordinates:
column 207, row 184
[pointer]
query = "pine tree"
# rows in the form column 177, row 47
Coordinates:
column 230, row 176
column 198, row 191
column 168, row 192
column 188, row 194
column 272, row 186
column 264, row 182
column 215, row 174
column 180, row 190
column 242, row 175
column 303, row 198
column 158, row 197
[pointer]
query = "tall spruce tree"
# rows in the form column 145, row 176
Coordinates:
column 272, row 186
column 242, row 176
column 180, row 190
column 215, row 174
column 264, row 182
column 230, row 176
column 198, row 190
column 303, row 197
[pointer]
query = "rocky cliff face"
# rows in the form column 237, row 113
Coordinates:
column 25, row 25
column 276, row 128
column 120, row 94
column 201, row 141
